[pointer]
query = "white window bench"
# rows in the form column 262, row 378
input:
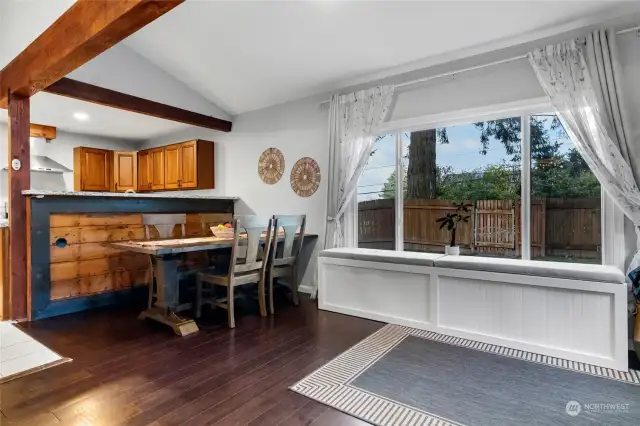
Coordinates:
column 570, row 311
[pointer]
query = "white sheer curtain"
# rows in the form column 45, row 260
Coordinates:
column 352, row 118
column 592, row 114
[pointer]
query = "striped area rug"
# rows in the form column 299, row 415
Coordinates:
column 332, row 384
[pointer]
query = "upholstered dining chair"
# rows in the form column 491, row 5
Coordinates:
column 284, row 257
column 164, row 226
column 247, row 265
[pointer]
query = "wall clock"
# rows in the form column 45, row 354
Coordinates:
column 271, row 165
column 305, row 177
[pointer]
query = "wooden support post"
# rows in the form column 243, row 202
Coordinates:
column 19, row 180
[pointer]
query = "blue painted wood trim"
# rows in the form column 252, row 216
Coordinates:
column 41, row 208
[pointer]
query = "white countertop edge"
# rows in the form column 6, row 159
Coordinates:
column 180, row 195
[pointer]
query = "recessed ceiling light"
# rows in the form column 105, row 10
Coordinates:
column 81, row 116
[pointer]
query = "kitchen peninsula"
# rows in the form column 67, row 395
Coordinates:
column 71, row 262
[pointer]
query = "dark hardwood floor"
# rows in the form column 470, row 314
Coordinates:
column 130, row 372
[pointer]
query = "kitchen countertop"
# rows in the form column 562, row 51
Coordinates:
column 177, row 194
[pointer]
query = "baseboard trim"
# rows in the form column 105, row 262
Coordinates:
column 307, row 289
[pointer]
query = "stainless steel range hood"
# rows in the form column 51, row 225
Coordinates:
column 41, row 163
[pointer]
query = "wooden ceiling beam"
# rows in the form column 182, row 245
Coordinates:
column 86, row 29
column 107, row 97
column 42, row 131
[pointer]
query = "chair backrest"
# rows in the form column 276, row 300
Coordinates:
column 292, row 225
column 244, row 257
column 164, row 224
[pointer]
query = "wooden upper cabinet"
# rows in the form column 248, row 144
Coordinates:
column 189, row 164
column 205, row 165
column 172, row 166
column 185, row 165
column 92, row 169
column 157, row 168
column 125, row 171
column 144, row 170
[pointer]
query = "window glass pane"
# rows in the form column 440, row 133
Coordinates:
column 376, row 197
column 476, row 165
column 565, row 203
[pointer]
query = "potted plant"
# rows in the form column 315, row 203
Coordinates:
column 451, row 221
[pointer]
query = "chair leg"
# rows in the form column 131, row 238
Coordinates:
column 230, row 307
column 262, row 298
column 271, row 307
column 151, row 282
column 198, row 297
column 294, row 286
column 150, row 301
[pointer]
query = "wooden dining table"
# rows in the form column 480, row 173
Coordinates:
column 168, row 254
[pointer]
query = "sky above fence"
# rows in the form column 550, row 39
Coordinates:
column 462, row 154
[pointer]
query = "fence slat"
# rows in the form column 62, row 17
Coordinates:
column 559, row 226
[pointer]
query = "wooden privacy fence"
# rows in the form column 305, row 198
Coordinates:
column 494, row 227
column 422, row 233
column 377, row 224
column 559, row 226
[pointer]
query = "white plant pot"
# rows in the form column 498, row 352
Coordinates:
column 452, row 250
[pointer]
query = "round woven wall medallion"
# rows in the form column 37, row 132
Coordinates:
column 271, row 165
column 305, row 177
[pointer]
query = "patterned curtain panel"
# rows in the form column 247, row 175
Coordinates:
column 581, row 79
column 352, row 119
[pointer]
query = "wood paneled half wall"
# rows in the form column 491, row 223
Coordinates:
column 84, row 263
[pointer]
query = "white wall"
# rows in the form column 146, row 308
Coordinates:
column 124, row 70
column 300, row 129
column 59, row 149
column 502, row 83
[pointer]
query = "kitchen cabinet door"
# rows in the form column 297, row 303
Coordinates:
column 157, row 168
column 125, row 171
column 92, row 169
column 172, row 166
column 189, row 165
column 144, row 170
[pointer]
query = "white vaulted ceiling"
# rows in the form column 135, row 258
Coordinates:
column 244, row 56
column 223, row 58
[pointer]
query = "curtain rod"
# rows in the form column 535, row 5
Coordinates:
column 477, row 67
column 629, row 30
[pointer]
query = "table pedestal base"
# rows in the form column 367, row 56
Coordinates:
column 180, row 326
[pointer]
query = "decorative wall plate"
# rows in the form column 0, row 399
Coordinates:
column 271, row 165
column 305, row 177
